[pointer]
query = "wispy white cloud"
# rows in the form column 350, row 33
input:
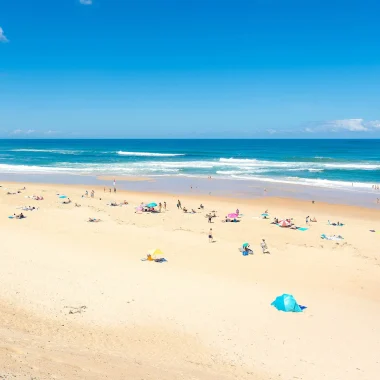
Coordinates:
column 374, row 123
column 51, row 132
column 353, row 125
column 2, row 36
column 86, row 2
column 271, row 131
column 17, row 132
column 344, row 125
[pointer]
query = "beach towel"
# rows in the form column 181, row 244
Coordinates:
column 302, row 229
column 11, row 217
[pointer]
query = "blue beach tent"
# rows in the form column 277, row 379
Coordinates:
column 286, row 303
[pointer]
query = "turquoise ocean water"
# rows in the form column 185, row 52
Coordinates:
column 324, row 163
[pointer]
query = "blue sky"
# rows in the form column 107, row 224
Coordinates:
column 189, row 68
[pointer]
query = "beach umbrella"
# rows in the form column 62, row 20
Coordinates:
column 264, row 214
column 155, row 252
column 283, row 223
column 245, row 245
column 233, row 216
column 286, row 303
column 151, row 204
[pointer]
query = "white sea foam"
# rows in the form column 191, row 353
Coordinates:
column 56, row 151
column 148, row 154
column 294, row 166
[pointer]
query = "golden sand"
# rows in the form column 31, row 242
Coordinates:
column 77, row 302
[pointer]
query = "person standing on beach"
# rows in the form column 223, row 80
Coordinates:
column 179, row 204
column 86, row 193
column 210, row 218
column 160, row 207
column 307, row 219
column 165, row 206
column 210, row 238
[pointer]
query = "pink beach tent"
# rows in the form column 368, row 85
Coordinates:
column 233, row 216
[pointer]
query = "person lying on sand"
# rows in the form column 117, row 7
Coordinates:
column 68, row 201
column 20, row 216
column 193, row 211
column 184, row 209
column 29, row 208
column 313, row 220
column 275, row 221
column 335, row 224
column 77, row 205
column 93, row 220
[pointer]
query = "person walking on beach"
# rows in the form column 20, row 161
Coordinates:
column 210, row 238
column 165, row 206
column 264, row 246
column 307, row 219
column 179, row 205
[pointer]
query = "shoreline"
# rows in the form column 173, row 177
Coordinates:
column 185, row 186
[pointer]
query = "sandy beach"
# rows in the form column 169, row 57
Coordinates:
column 77, row 301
